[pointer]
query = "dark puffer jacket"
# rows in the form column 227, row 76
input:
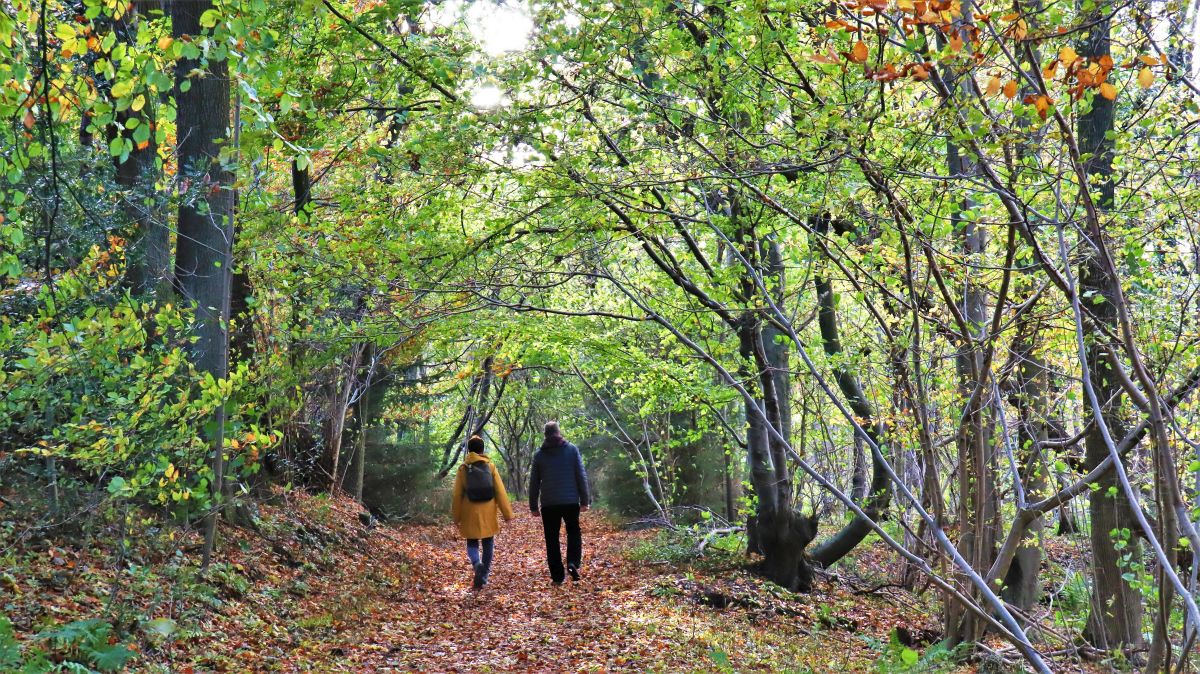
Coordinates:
column 558, row 476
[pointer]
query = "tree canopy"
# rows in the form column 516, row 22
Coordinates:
column 913, row 274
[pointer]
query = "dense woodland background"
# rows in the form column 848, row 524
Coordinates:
column 812, row 277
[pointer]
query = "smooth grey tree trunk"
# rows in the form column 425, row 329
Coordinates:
column 205, row 225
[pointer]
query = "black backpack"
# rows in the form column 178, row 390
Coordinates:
column 480, row 485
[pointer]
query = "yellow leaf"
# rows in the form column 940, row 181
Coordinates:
column 1020, row 29
column 1067, row 55
column 1108, row 91
column 1148, row 60
column 122, row 89
column 138, row 103
column 1145, row 78
column 164, row 43
column 1010, row 89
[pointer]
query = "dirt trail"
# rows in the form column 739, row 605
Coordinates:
column 330, row 595
column 520, row 621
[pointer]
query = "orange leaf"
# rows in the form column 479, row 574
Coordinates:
column 825, row 58
column 1108, row 91
column 1042, row 103
column 1010, row 89
column 1067, row 55
column 29, row 119
column 1148, row 60
column 993, row 86
column 858, row 54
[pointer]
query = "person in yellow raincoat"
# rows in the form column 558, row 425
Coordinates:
column 477, row 504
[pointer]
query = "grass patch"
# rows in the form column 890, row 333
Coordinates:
column 318, row 621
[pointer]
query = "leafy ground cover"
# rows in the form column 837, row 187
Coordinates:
column 315, row 589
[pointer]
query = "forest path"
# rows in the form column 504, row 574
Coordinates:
column 519, row 622
column 319, row 592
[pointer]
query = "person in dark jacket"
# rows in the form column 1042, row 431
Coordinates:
column 558, row 481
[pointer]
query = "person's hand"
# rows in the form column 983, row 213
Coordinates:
column 585, row 508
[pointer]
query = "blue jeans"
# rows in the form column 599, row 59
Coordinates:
column 489, row 547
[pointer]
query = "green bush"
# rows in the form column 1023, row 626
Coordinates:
column 81, row 647
column 898, row 658
column 403, row 482
column 100, row 383
column 673, row 546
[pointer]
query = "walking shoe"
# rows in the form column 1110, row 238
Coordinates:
column 573, row 571
column 556, row 582
column 479, row 581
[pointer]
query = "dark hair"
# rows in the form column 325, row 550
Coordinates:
column 475, row 444
column 551, row 430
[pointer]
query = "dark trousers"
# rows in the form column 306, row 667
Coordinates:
column 553, row 517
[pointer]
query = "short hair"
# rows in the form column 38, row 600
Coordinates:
column 551, row 430
column 475, row 444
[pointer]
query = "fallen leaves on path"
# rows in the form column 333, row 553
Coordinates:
column 316, row 590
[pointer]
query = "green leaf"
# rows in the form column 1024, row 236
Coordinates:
column 10, row 650
column 122, row 89
column 117, row 486
column 210, row 18
column 111, row 658
column 163, row 627
column 909, row 657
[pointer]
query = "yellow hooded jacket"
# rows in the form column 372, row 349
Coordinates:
column 479, row 519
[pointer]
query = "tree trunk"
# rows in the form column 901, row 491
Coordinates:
column 148, row 256
column 1022, row 586
column 977, row 504
column 358, row 462
column 1115, row 619
column 205, row 225
column 777, row 531
column 339, row 406
column 845, row 540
